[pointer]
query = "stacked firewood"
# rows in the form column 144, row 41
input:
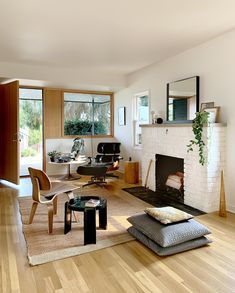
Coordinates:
column 176, row 180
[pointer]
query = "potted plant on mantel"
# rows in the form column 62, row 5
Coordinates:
column 53, row 155
column 198, row 123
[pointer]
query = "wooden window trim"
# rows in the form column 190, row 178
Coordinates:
column 63, row 90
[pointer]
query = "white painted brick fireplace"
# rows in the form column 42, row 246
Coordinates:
column 201, row 183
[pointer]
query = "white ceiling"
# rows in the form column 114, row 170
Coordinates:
column 112, row 36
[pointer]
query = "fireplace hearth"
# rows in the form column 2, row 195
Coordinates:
column 158, row 199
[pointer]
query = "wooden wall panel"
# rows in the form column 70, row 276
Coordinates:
column 52, row 113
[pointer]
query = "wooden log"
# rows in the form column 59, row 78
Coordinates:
column 222, row 208
column 147, row 175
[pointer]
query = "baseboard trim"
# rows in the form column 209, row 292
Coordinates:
column 231, row 209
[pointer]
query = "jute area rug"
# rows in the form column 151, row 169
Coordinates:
column 43, row 248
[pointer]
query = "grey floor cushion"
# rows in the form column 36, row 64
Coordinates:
column 168, row 235
column 201, row 241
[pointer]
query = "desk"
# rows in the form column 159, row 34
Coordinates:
column 68, row 164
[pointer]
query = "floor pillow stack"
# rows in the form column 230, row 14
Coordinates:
column 168, row 230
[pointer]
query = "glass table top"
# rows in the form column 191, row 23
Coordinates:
column 79, row 202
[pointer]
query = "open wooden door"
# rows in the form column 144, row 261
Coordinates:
column 9, row 132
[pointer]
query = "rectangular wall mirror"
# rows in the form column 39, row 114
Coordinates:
column 182, row 99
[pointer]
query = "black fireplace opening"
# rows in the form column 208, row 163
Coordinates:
column 169, row 186
column 169, row 174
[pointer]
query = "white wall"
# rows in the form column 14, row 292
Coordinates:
column 214, row 62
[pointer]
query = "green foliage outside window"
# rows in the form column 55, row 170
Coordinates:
column 29, row 152
column 31, row 118
column 83, row 110
column 143, row 101
column 30, row 114
column 35, row 136
column 80, row 127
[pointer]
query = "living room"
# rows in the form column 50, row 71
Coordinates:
column 103, row 49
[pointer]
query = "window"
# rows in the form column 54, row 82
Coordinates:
column 170, row 109
column 141, row 114
column 86, row 114
column 31, row 121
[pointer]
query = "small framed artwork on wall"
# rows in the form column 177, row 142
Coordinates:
column 213, row 114
column 122, row 116
column 207, row 105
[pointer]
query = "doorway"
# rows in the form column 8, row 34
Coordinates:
column 31, row 129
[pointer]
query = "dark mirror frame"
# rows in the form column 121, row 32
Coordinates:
column 167, row 99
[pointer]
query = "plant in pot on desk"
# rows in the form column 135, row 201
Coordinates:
column 53, row 155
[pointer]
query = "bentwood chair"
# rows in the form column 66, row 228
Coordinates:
column 45, row 192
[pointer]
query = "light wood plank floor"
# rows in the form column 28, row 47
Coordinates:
column 128, row 267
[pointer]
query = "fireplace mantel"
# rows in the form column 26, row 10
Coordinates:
column 182, row 125
column 201, row 183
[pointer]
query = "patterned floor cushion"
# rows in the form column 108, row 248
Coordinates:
column 168, row 235
column 163, row 251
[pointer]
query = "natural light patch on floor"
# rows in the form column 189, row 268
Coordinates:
column 112, row 228
column 122, row 220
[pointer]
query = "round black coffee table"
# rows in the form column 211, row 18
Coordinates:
column 78, row 204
